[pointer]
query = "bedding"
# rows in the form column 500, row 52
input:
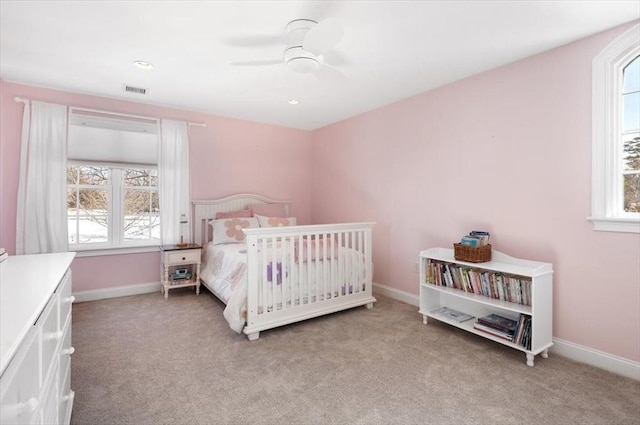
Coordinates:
column 224, row 272
column 234, row 214
column 229, row 230
column 265, row 221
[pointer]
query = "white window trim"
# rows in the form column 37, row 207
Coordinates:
column 96, row 252
column 607, row 68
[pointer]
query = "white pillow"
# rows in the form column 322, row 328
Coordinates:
column 229, row 230
column 275, row 221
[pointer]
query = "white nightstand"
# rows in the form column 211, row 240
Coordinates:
column 180, row 267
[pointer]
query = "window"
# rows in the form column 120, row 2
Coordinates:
column 112, row 181
column 630, row 135
column 111, row 206
column 616, row 135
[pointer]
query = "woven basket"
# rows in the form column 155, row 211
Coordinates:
column 472, row 254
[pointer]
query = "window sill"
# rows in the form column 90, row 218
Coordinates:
column 96, row 252
column 610, row 224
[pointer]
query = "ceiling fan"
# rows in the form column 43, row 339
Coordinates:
column 306, row 43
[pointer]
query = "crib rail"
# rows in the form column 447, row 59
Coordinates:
column 299, row 272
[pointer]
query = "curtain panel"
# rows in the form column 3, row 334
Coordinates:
column 41, row 222
column 174, row 184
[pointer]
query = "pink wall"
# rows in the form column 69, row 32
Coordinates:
column 228, row 156
column 507, row 151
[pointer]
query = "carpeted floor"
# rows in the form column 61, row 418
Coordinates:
column 147, row 360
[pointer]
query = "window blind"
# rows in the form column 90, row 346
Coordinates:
column 105, row 138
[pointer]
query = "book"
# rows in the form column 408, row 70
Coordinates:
column 3, row 255
column 451, row 314
column 481, row 235
column 470, row 241
column 493, row 331
column 499, row 322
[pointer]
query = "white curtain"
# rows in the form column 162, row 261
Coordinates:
column 41, row 222
column 174, row 190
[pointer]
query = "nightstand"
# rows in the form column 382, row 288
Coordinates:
column 180, row 267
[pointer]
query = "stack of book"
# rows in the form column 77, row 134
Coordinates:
column 475, row 238
column 3, row 254
column 523, row 332
column 516, row 331
column 496, row 325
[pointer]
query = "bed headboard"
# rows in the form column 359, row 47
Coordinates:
column 205, row 210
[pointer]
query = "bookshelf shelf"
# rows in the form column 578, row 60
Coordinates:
column 533, row 298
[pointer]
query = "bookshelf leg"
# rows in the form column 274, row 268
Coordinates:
column 424, row 319
column 530, row 359
column 545, row 354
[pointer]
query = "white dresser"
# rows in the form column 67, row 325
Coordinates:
column 35, row 339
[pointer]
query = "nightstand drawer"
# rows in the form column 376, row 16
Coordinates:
column 183, row 257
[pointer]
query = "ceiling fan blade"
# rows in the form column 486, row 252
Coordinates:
column 335, row 58
column 323, row 36
column 331, row 76
column 258, row 63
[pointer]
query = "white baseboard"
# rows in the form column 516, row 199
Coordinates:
column 600, row 359
column 117, row 291
column 396, row 294
column 579, row 353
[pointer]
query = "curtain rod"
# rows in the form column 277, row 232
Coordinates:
column 189, row 123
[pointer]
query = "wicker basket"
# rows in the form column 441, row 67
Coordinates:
column 472, row 254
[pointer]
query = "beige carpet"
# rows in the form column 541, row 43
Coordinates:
column 147, row 360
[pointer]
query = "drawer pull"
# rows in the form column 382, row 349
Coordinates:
column 184, row 258
column 68, row 351
column 28, row 406
column 53, row 335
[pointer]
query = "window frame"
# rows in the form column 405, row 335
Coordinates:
column 608, row 66
column 116, row 244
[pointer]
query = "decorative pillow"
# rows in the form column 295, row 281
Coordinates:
column 269, row 210
column 229, row 230
column 234, row 214
column 275, row 221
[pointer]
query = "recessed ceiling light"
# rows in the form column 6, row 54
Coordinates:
column 143, row 64
column 293, row 101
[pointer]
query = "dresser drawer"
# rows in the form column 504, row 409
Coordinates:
column 66, row 350
column 65, row 299
column 50, row 404
column 20, row 383
column 51, row 335
column 65, row 402
column 183, row 257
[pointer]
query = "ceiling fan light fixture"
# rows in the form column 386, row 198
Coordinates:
column 299, row 60
column 303, row 64
column 143, row 64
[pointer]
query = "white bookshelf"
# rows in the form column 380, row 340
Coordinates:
column 433, row 296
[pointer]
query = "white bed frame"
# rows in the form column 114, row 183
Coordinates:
column 321, row 239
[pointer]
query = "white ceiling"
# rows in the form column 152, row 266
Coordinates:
column 390, row 50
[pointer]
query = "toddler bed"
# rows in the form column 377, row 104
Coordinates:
column 270, row 272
